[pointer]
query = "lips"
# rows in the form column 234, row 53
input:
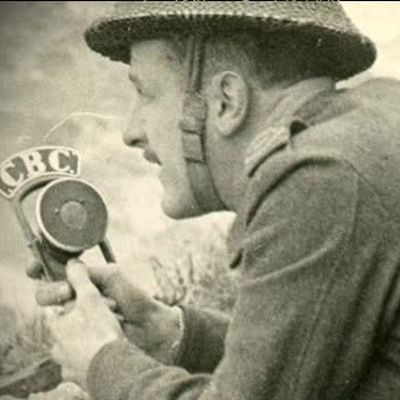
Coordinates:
column 151, row 156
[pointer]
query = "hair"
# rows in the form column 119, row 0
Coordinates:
column 279, row 57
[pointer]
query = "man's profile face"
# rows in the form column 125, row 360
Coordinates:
column 159, row 86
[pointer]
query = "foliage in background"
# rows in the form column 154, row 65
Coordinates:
column 206, row 285
column 29, row 343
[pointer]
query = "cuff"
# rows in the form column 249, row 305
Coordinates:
column 202, row 345
column 112, row 370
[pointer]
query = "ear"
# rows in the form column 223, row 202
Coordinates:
column 229, row 102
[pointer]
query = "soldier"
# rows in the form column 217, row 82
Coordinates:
column 237, row 102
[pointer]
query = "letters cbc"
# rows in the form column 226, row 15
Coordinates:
column 33, row 163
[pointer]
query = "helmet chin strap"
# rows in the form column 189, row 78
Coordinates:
column 193, row 127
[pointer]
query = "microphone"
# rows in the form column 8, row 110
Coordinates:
column 71, row 214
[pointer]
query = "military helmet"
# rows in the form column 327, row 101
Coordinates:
column 321, row 26
column 336, row 40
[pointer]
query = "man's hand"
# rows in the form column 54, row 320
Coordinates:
column 151, row 325
column 85, row 328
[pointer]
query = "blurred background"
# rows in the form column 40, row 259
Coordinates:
column 47, row 74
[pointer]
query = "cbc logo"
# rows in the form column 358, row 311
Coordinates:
column 30, row 164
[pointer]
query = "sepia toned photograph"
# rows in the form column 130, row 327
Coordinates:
column 200, row 200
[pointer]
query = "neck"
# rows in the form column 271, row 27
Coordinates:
column 270, row 106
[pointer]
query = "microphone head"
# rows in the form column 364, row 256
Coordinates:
column 71, row 215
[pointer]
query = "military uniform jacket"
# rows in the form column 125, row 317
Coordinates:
column 317, row 246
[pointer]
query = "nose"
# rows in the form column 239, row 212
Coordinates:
column 133, row 135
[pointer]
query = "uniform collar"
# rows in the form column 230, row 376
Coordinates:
column 276, row 134
column 294, row 97
column 279, row 123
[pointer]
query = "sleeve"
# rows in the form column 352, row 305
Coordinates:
column 382, row 381
column 202, row 345
column 294, row 263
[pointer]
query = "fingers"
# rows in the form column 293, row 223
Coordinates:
column 78, row 277
column 101, row 275
column 87, row 294
column 60, row 292
column 34, row 270
column 54, row 293
column 58, row 311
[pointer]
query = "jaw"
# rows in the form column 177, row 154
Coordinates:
column 178, row 201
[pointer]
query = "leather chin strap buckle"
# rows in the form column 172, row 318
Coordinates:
column 193, row 126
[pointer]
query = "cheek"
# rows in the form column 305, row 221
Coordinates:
column 163, row 127
column 162, row 131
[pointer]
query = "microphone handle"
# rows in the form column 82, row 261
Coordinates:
column 55, row 260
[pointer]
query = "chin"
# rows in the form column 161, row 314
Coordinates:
column 180, row 207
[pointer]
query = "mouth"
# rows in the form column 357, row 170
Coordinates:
column 150, row 156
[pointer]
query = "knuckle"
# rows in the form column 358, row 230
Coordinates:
column 89, row 294
column 53, row 294
column 42, row 297
column 34, row 269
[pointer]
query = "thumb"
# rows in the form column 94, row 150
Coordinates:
column 103, row 276
column 78, row 277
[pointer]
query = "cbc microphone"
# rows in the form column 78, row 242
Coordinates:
column 71, row 214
